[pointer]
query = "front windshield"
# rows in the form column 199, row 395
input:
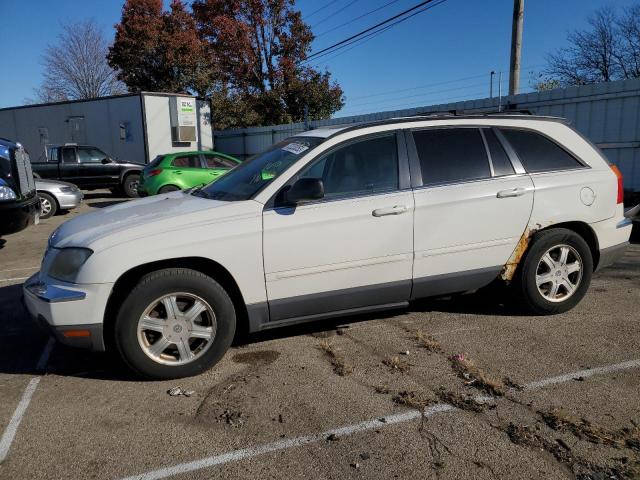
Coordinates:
column 251, row 176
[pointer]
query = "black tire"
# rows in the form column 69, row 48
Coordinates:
column 48, row 205
column 168, row 188
column 130, row 185
column 164, row 282
column 526, row 282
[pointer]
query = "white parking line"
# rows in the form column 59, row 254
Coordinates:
column 251, row 452
column 10, row 432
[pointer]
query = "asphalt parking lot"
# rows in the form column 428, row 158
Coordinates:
column 463, row 387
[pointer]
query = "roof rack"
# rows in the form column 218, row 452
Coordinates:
column 467, row 113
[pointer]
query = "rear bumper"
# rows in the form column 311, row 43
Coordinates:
column 610, row 255
column 16, row 216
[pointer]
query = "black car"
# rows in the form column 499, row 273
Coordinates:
column 89, row 168
column 19, row 203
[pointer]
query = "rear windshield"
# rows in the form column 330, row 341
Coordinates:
column 251, row 176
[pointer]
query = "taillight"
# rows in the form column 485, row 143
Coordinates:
column 153, row 173
column 618, row 173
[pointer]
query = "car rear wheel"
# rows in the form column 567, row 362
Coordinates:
column 175, row 323
column 48, row 205
column 130, row 185
column 168, row 188
column 556, row 271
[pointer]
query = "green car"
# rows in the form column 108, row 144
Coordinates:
column 177, row 171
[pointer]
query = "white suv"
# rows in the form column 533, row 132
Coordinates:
column 331, row 222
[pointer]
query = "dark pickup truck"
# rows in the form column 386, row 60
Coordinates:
column 19, row 203
column 89, row 168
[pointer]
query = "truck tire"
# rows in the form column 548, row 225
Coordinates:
column 48, row 205
column 175, row 323
column 130, row 185
column 556, row 271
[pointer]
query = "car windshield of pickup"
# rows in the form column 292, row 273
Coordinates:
column 251, row 176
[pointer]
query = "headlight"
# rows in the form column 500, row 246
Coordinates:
column 7, row 193
column 67, row 262
column 67, row 189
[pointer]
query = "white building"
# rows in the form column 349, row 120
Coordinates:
column 133, row 127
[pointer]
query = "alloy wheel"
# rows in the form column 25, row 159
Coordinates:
column 559, row 273
column 177, row 329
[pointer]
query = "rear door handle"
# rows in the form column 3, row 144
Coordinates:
column 395, row 210
column 513, row 192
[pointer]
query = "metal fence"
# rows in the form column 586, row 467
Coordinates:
column 607, row 113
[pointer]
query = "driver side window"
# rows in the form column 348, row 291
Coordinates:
column 358, row 168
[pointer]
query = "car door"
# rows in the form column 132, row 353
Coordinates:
column 69, row 168
column 186, row 171
column 472, row 205
column 96, row 168
column 216, row 165
column 354, row 248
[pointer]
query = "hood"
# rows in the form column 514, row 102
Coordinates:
column 52, row 184
column 144, row 218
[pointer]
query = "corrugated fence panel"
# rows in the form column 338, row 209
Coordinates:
column 607, row 113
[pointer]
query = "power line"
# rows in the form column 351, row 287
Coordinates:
column 370, row 35
column 321, row 8
column 334, row 13
column 367, row 30
column 356, row 18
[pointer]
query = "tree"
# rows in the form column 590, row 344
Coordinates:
column 75, row 67
column 156, row 50
column 260, row 47
column 609, row 49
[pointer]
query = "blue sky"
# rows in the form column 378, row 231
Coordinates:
column 427, row 59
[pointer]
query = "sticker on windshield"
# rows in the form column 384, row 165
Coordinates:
column 295, row 148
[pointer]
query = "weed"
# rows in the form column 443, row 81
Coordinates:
column 340, row 365
column 475, row 376
column 428, row 342
column 382, row 389
column 396, row 363
column 413, row 400
column 463, row 402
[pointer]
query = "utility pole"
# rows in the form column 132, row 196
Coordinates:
column 491, row 83
column 516, row 47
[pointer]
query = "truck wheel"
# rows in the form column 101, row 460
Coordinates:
column 130, row 185
column 175, row 323
column 556, row 271
column 168, row 188
column 48, row 205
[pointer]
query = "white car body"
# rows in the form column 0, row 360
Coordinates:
column 338, row 257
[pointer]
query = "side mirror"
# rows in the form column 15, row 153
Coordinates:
column 304, row 190
column 105, row 161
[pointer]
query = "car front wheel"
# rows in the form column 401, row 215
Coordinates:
column 175, row 323
column 48, row 205
column 556, row 271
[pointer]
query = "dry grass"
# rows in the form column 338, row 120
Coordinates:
column 475, row 376
column 463, row 402
column 413, row 400
column 396, row 363
column 382, row 389
column 340, row 365
column 562, row 421
column 427, row 342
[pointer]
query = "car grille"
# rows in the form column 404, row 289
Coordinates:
column 24, row 174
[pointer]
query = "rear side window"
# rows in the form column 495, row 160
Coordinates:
column 215, row 161
column 156, row 161
column 451, row 155
column 537, row 153
column 501, row 163
column 191, row 161
column 69, row 155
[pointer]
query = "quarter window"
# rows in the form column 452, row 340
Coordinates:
column 360, row 168
column 499, row 159
column 190, row 161
column 451, row 155
column 537, row 153
column 69, row 155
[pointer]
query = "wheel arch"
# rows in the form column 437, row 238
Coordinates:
column 211, row 268
column 55, row 199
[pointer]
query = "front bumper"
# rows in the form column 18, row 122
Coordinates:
column 16, row 216
column 73, row 313
column 69, row 200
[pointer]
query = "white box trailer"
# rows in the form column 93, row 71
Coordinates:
column 134, row 127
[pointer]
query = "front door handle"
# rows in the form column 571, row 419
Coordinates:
column 395, row 210
column 513, row 192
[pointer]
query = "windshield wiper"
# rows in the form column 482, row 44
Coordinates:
column 199, row 191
